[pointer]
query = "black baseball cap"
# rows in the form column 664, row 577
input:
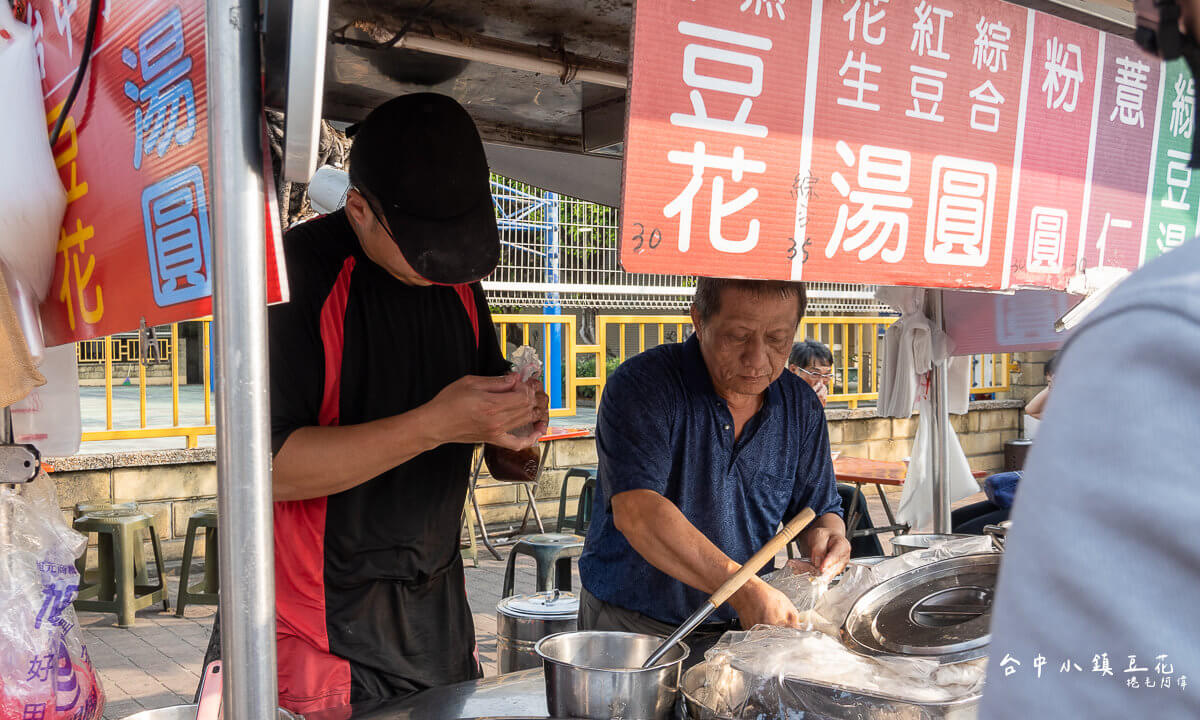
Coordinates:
column 420, row 161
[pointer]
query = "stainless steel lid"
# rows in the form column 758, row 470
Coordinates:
column 942, row 611
column 552, row 605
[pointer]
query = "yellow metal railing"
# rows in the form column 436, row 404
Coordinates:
column 127, row 350
column 855, row 342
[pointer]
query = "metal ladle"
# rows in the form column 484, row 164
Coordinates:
column 735, row 582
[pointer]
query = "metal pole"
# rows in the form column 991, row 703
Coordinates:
column 939, row 406
column 240, row 319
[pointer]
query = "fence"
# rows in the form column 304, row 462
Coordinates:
column 574, row 372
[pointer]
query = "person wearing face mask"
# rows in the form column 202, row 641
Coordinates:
column 705, row 447
column 1101, row 569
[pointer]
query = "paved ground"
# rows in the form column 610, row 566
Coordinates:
column 157, row 663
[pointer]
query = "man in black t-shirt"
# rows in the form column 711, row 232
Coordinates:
column 385, row 370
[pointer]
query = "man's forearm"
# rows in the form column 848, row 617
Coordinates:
column 319, row 461
column 660, row 533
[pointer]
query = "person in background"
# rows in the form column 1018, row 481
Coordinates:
column 812, row 362
column 1100, row 569
column 1001, row 488
column 705, row 447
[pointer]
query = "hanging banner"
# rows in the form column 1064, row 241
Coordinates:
column 136, row 242
column 971, row 144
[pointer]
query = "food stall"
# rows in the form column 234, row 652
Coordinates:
column 760, row 139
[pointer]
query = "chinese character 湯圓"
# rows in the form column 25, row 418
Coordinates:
column 1064, row 74
column 1047, row 240
column 736, row 62
column 961, row 197
column 882, row 200
column 1183, row 107
column 1131, row 92
column 860, row 84
column 175, row 222
column 924, row 32
column 772, row 7
column 682, row 205
column 1039, row 662
column 868, row 20
column 1100, row 662
column 927, row 84
column 1179, row 177
column 985, row 111
column 991, row 45
column 166, row 100
column 1010, row 664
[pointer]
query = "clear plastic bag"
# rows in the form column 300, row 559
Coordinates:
column 45, row 671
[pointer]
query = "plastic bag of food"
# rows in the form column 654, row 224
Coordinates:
column 45, row 671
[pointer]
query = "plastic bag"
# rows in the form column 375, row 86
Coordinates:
column 49, row 418
column 528, row 365
column 32, row 199
column 45, row 671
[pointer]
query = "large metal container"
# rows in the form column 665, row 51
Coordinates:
column 816, row 701
column 599, row 675
column 522, row 620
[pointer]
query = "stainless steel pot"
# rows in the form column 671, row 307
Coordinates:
column 522, row 620
column 919, row 541
column 596, row 674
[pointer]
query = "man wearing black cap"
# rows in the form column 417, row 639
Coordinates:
column 385, row 370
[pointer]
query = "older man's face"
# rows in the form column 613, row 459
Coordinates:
column 746, row 343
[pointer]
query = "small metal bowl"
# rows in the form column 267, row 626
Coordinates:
column 599, row 675
column 920, row 541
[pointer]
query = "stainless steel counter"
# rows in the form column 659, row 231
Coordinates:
column 516, row 695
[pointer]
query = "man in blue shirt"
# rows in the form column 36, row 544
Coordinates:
column 705, row 448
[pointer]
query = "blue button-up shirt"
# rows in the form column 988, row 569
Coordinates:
column 662, row 427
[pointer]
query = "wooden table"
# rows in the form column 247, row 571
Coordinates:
column 551, row 435
column 880, row 473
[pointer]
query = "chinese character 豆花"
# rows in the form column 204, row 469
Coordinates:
column 924, row 33
column 737, row 165
column 1183, row 107
column 166, row 100
column 869, row 20
column 991, row 45
column 858, row 83
column 1047, row 240
column 77, row 280
column 1179, row 177
column 736, row 62
column 1131, row 92
column 961, row 198
column 175, row 221
column 772, row 7
column 1133, row 668
column 1064, row 74
column 882, row 200
column 1162, row 667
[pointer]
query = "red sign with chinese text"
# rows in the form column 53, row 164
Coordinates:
column 931, row 143
column 133, row 155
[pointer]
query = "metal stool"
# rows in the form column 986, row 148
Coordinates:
column 117, row 591
column 205, row 592
column 552, row 552
column 139, row 560
column 588, row 473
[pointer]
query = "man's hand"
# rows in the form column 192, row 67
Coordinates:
column 757, row 603
column 541, row 406
column 823, row 393
column 476, row 409
column 829, row 549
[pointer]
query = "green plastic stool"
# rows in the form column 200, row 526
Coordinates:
column 139, row 559
column 207, row 591
column 552, row 552
column 588, row 473
column 118, row 591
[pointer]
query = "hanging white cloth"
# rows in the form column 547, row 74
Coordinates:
column 916, row 501
column 907, row 352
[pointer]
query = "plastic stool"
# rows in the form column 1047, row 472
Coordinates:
column 583, row 511
column 139, row 560
column 117, row 591
column 588, row 473
column 207, row 591
column 552, row 552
